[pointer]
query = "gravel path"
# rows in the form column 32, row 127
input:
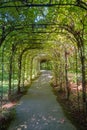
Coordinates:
column 39, row 110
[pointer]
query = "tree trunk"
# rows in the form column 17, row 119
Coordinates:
column 10, row 68
column 83, row 79
column 66, row 77
column 82, row 58
column 31, row 70
column 19, row 73
column 10, row 75
column 78, row 97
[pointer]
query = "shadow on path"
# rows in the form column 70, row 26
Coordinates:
column 39, row 110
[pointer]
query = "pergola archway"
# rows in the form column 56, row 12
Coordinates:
column 35, row 31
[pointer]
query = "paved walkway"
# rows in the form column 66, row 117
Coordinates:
column 39, row 110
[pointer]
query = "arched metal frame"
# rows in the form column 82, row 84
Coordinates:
column 20, row 66
column 4, row 75
column 82, row 55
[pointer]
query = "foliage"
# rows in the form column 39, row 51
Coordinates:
column 31, row 29
column 6, row 116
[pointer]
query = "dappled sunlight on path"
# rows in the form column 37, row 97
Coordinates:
column 39, row 110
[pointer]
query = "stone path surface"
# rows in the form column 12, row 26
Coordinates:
column 39, row 110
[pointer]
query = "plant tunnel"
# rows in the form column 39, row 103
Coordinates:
column 44, row 34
